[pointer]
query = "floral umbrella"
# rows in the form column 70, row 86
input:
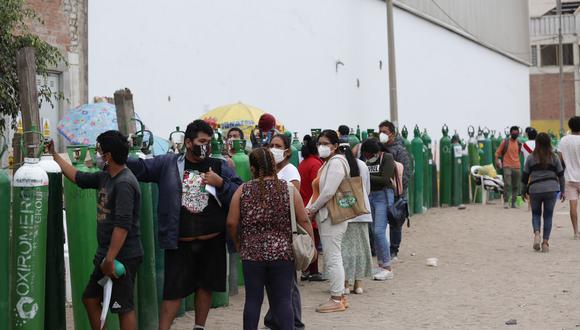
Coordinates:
column 83, row 124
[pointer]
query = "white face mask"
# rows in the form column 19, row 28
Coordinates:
column 324, row 151
column 373, row 159
column 278, row 154
column 384, row 138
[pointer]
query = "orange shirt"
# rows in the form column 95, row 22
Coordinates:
column 511, row 159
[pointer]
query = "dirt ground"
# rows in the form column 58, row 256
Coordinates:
column 487, row 274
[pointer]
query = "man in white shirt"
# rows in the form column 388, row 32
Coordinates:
column 569, row 149
column 530, row 145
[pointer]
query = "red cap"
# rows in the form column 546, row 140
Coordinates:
column 266, row 122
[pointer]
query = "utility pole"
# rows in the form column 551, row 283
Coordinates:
column 394, row 111
column 561, row 62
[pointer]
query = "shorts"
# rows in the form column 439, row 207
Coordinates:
column 572, row 190
column 198, row 264
column 123, row 287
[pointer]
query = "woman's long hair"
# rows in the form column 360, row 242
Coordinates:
column 543, row 152
column 308, row 147
column 343, row 149
column 262, row 161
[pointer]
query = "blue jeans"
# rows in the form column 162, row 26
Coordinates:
column 272, row 322
column 380, row 200
column 548, row 200
column 277, row 276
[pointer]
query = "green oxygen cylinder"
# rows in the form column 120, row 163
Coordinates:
column 417, row 149
column 353, row 140
column 370, row 133
column 358, row 133
column 411, row 189
column 364, row 135
column 216, row 145
column 485, row 145
column 147, row 309
column 315, row 132
column 445, row 168
column 159, row 252
column 28, row 252
column 242, row 167
column 465, row 171
column 81, row 225
column 473, row 151
column 428, row 178
column 241, row 161
column 219, row 299
column 295, row 149
column 5, row 200
column 55, row 291
column 296, row 142
column 456, row 172
column 480, row 139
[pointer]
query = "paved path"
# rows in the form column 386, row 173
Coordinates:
column 487, row 275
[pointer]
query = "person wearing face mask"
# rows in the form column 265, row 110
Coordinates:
column 392, row 143
column 118, row 234
column 260, row 212
column 507, row 157
column 194, row 195
column 324, row 188
column 280, row 148
column 308, row 170
column 381, row 166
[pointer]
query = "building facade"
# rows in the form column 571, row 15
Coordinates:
column 544, row 70
column 313, row 63
column 64, row 26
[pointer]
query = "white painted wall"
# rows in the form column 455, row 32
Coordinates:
column 280, row 56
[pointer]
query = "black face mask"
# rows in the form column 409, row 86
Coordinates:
column 200, row 151
column 515, row 135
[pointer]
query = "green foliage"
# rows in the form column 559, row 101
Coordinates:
column 15, row 34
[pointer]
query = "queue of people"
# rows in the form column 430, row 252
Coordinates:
column 203, row 203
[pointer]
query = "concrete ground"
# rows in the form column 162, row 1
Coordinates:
column 487, row 274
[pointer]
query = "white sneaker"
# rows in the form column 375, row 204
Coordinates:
column 394, row 260
column 384, row 275
column 346, row 291
column 359, row 291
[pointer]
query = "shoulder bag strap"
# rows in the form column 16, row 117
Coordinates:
column 292, row 211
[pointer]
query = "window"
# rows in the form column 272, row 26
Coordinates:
column 534, row 56
column 549, row 55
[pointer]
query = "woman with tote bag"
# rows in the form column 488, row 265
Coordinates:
column 339, row 167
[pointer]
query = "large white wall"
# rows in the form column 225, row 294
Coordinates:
column 280, row 56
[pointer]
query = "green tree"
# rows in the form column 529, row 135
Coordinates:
column 15, row 34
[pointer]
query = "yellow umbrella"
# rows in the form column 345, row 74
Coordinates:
column 238, row 115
